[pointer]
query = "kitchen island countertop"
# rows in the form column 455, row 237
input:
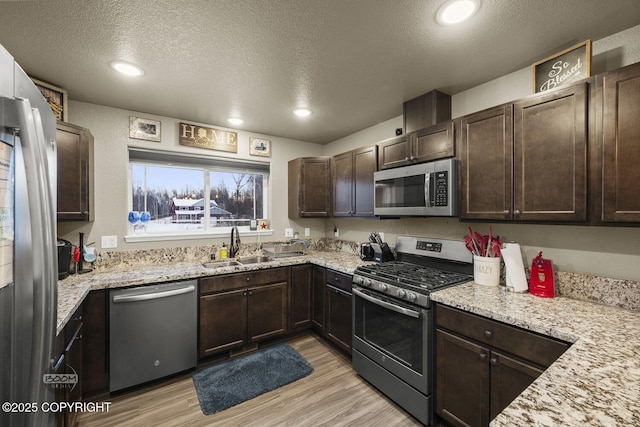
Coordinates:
column 595, row 382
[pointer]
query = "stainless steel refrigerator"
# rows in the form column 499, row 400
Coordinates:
column 28, row 255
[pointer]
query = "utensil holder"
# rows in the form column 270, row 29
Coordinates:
column 486, row 270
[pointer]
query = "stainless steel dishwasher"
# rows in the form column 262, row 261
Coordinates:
column 153, row 332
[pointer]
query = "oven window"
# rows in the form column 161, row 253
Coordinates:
column 400, row 192
column 397, row 335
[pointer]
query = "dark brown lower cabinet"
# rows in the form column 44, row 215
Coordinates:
column 223, row 321
column 301, row 290
column 317, row 297
column 69, row 362
column 240, row 309
column 483, row 365
column 463, row 375
column 338, row 309
column 509, row 378
column 95, row 364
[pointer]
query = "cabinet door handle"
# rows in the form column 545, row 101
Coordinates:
column 488, row 334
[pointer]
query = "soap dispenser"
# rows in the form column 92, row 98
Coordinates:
column 224, row 252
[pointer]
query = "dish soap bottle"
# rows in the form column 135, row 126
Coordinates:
column 224, row 252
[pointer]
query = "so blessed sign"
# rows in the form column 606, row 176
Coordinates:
column 563, row 68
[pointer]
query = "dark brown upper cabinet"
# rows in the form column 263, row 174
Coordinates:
column 425, row 111
column 310, row 187
column 550, row 156
column 352, row 175
column 527, row 161
column 75, row 173
column 486, row 164
column 432, row 143
column 621, row 145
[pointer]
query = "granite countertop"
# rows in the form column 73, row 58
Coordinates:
column 73, row 289
column 595, row 382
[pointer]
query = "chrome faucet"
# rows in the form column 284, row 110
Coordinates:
column 234, row 246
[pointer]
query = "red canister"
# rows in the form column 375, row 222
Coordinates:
column 541, row 281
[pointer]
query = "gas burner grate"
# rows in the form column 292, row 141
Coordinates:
column 412, row 275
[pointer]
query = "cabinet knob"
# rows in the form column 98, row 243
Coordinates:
column 412, row 158
column 488, row 334
column 301, row 212
column 493, row 360
column 483, row 356
column 406, row 159
column 516, row 212
column 248, row 279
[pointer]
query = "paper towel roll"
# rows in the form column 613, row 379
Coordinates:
column 516, row 277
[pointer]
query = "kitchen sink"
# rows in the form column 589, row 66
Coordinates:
column 220, row 264
column 254, row 259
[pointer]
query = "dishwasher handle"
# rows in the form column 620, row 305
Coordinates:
column 153, row 295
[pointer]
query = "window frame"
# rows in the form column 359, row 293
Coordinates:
column 206, row 164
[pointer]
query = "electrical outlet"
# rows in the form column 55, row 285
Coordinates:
column 307, row 232
column 109, row 242
column 336, row 231
column 381, row 234
column 288, row 232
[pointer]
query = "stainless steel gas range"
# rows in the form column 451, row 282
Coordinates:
column 393, row 332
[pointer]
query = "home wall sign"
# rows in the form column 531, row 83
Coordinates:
column 204, row 137
column 56, row 98
column 563, row 68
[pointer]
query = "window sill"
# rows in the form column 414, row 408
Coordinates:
column 157, row 237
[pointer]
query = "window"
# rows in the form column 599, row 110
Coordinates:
column 195, row 195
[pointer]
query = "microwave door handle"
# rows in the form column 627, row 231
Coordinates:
column 427, row 189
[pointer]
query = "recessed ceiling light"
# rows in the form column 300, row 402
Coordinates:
column 235, row 120
column 302, row 112
column 127, row 68
column 456, row 11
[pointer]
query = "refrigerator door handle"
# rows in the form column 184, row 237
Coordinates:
column 31, row 149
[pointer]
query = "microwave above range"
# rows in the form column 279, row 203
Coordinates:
column 426, row 189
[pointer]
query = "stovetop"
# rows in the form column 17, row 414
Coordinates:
column 423, row 266
column 411, row 276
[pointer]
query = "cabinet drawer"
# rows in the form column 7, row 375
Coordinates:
column 339, row 280
column 242, row 280
column 527, row 345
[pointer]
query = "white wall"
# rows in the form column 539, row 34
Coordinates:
column 605, row 251
column 110, row 128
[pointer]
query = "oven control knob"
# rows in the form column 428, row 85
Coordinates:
column 367, row 282
column 401, row 293
column 358, row 280
column 383, row 287
column 411, row 296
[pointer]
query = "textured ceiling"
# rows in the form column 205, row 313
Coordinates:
column 353, row 62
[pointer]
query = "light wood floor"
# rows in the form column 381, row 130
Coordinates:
column 333, row 395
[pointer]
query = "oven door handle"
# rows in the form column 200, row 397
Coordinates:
column 393, row 307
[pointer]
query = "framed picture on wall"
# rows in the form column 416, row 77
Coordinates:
column 259, row 147
column 146, row 129
column 56, row 98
